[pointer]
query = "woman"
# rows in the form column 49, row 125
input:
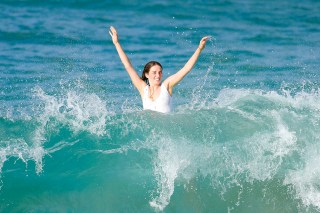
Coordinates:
column 156, row 95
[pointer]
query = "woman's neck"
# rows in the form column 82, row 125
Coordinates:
column 154, row 86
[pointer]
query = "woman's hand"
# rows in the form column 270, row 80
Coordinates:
column 114, row 35
column 203, row 42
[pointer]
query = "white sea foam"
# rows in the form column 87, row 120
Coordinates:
column 80, row 110
column 305, row 179
column 174, row 159
column 270, row 129
column 19, row 149
column 259, row 155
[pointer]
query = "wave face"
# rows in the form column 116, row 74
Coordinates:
column 244, row 150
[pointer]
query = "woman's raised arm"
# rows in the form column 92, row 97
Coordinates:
column 177, row 77
column 135, row 78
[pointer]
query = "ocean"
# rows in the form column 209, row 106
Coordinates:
column 243, row 136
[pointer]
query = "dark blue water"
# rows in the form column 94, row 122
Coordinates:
column 243, row 136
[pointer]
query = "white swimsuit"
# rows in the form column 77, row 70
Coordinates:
column 161, row 104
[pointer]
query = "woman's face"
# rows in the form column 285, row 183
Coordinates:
column 154, row 75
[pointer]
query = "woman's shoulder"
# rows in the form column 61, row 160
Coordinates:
column 142, row 88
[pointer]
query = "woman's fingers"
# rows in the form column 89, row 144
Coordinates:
column 206, row 38
column 113, row 30
column 203, row 42
column 114, row 35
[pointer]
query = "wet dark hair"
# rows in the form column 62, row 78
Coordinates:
column 147, row 68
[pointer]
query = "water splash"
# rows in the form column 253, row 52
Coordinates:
column 175, row 159
column 266, row 139
column 79, row 110
column 241, row 141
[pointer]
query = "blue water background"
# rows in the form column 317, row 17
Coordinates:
column 243, row 136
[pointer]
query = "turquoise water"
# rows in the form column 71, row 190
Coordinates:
column 244, row 134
